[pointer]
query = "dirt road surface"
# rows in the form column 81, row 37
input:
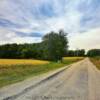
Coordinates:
column 79, row 81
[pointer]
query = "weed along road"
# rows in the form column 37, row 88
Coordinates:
column 81, row 81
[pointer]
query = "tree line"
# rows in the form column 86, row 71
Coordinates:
column 93, row 52
column 72, row 53
column 53, row 47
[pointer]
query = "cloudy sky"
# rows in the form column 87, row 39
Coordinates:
column 28, row 20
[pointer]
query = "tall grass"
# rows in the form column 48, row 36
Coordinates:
column 96, row 61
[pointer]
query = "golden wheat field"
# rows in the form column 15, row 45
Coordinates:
column 22, row 62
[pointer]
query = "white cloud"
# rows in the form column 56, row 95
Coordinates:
column 26, row 14
column 29, row 18
column 12, row 37
column 26, row 40
column 87, row 40
column 6, row 34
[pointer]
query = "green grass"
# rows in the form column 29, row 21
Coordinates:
column 14, row 73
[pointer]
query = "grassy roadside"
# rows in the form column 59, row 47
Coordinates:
column 96, row 61
column 13, row 73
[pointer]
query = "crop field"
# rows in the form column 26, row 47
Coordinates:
column 14, row 70
column 21, row 62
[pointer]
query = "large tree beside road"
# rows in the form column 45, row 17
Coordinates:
column 56, row 45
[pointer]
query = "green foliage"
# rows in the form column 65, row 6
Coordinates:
column 55, row 45
column 72, row 53
column 93, row 52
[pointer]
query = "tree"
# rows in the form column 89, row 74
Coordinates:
column 70, row 53
column 79, row 52
column 55, row 45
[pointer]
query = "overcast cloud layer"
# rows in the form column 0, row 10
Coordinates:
column 28, row 20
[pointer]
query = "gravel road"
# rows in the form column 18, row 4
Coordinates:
column 81, row 81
